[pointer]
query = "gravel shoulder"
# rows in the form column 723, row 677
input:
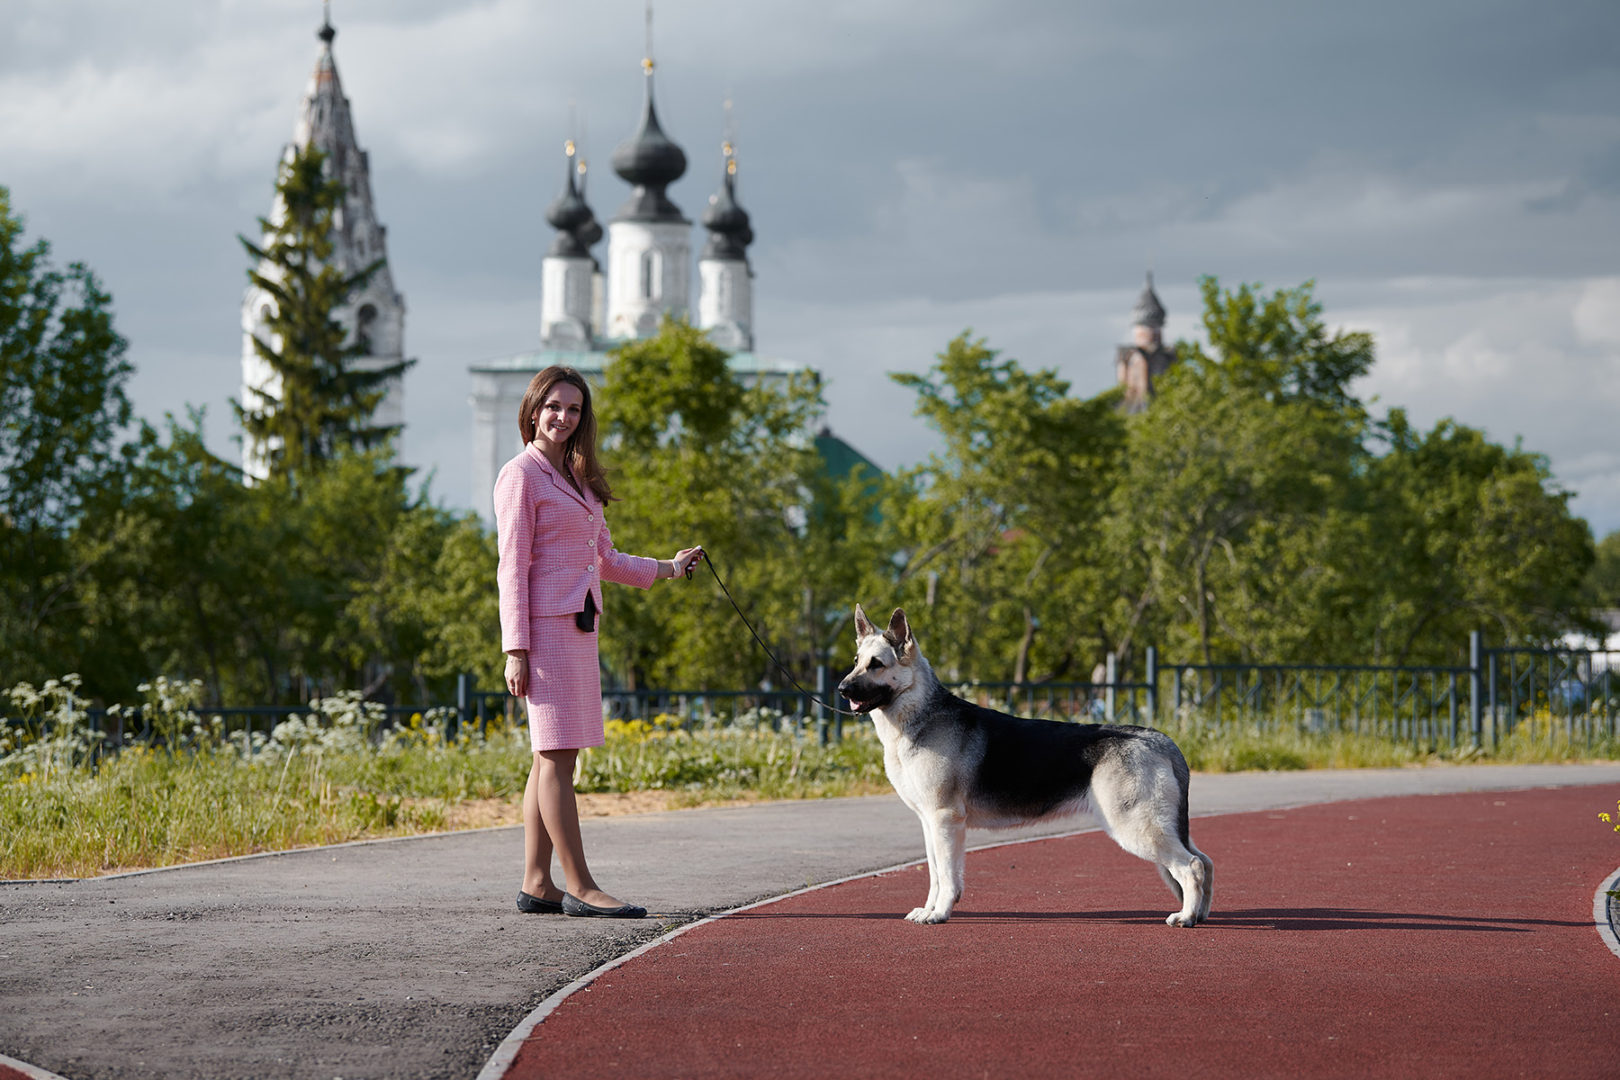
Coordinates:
column 407, row 958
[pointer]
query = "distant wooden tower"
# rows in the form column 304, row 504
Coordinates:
column 1138, row 364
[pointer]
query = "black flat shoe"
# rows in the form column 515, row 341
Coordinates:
column 538, row 905
column 573, row 905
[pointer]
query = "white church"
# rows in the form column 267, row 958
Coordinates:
column 586, row 309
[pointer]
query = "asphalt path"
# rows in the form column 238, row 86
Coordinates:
column 407, row 958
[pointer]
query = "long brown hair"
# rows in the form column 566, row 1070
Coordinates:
column 580, row 450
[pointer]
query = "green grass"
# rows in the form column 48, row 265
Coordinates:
column 144, row 807
column 727, row 763
column 339, row 780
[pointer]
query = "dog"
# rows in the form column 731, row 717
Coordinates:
column 956, row 764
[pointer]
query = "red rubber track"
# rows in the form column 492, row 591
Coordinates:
column 1434, row 936
column 8, row 1073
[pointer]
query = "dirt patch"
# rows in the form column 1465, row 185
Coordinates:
column 483, row 813
column 614, row 803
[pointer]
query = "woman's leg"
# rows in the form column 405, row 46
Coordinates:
column 553, row 779
column 536, row 842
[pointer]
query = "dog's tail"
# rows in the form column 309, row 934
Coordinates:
column 1178, row 764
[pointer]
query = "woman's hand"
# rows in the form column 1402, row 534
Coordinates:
column 517, row 673
column 685, row 559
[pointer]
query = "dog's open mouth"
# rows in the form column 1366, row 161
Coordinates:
column 861, row 706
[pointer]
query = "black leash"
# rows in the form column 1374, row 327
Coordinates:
column 783, row 667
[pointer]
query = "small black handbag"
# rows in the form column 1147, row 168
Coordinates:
column 586, row 619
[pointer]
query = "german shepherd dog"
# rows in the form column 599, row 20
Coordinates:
column 957, row 764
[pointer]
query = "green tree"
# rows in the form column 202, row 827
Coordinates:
column 62, row 405
column 1471, row 536
column 1603, row 582
column 1264, row 515
column 1279, row 345
column 699, row 456
column 430, row 610
column 1227, row 529
column 188, row 575
column 843, row 552
column 1224, row 517
column 317, row 401
column 281, row 591
column 998, row 535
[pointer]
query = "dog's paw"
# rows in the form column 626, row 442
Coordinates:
column 1178, row 919
column 928, row 916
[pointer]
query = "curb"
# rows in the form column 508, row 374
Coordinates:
column 1606, row 912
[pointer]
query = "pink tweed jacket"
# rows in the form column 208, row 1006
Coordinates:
column 554, row 547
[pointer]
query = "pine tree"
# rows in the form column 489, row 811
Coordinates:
column 319, row 402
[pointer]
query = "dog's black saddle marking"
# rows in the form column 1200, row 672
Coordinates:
column 1028, row 767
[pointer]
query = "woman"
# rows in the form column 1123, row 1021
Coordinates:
column 554, row 549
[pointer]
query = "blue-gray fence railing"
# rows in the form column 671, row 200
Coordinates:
column 1539, row 694
column 1570, row 693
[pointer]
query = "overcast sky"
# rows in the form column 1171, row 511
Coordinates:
column 1447, row 171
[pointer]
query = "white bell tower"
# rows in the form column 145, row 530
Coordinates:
column 725, row 280
column 376, row 313
column 568, row 272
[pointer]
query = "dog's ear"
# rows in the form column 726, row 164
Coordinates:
column 863, row 628
column 899, row 633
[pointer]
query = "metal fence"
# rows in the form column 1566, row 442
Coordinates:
column 240, row 726
column 1536, row 695
column 1413, row 704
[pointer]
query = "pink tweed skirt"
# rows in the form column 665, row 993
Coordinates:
column 565, row 686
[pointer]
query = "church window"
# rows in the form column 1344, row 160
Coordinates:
column 652, row 271
column 575, row 299
column 363, row 328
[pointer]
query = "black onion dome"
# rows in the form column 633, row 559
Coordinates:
column 568, row 211
column 729, row 229
column 1148, row 310
column 571, row 216
column 649, row 156
column 589, row 233
column 651, row 161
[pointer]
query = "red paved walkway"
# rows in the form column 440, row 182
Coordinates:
column 1438, row 936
